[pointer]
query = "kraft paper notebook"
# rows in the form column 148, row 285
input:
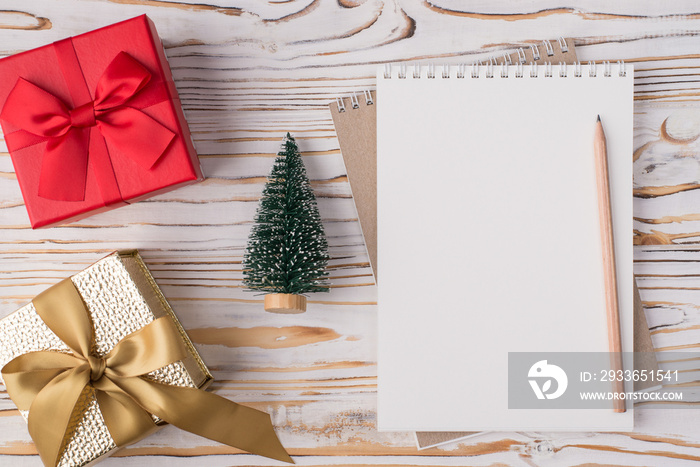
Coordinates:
column 487, row 227
column 355, row 122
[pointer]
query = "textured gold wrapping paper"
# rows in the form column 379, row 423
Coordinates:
column 122, row 297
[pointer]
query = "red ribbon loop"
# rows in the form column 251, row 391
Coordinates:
column 126, row 130
column 83, row 116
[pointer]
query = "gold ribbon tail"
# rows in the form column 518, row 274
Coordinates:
column 208, row 415
column 36, row 388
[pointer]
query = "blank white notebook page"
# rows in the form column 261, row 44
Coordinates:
column 489, row 240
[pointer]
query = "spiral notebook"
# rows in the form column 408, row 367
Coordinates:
column 355, row 122
column 486, row 194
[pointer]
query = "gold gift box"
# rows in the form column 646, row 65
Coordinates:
column 121, row 297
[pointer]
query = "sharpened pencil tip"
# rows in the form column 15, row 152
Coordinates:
column 598, row 118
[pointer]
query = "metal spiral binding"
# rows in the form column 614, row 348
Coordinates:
column 354, row 101
column 460, row 70
column 489, row 69
column 623, row 69
column 506, row 59
column 475, row 69
column 504, row 63
column 548, row 48
column 562, row 44
column 519, row 70
column 592, row 73
column 492, row 67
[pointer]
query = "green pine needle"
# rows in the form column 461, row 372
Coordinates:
column 287, row 250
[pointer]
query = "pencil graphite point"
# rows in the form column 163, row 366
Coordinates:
column 598, row 118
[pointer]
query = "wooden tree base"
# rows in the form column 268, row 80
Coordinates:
column 285, row 303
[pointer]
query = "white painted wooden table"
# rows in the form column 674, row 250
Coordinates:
column 247, row 72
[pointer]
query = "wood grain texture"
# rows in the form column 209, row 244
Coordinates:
column 249, row 71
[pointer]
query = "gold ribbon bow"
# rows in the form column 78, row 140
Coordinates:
column 48, row 384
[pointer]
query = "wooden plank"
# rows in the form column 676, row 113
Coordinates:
column 250, row 71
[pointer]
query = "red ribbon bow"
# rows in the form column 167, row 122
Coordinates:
column 69, row 132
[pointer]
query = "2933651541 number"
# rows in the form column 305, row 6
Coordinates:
column 660, row 376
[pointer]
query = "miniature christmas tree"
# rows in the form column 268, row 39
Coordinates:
column 287, row 252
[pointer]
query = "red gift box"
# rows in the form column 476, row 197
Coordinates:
column 94, row 122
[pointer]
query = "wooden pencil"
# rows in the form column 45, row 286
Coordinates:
column 608, row 250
